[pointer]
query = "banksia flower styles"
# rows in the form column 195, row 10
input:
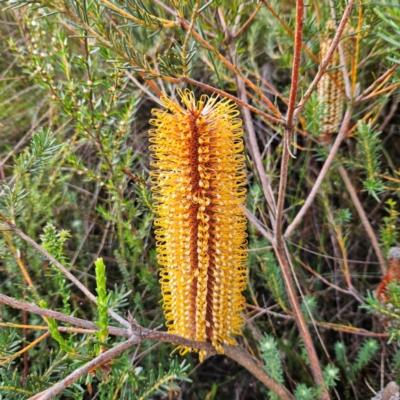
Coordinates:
column 328, row 90
column 198, row 192
column 392, row 274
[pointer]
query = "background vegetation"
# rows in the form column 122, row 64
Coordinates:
column 78, row 80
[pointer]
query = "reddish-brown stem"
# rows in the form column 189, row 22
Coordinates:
column 303, row 45
column 298, row 38
column 279, row 244
column 247, row 23
column 282, row 184
column 290, row 120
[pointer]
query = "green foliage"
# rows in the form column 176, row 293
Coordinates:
column 77, row 83
column 364, row 356
column 331, row 375
column 390, row 29
column 272, row 360
column 102, row 300
column 53, row 328
column 40, row 152
column 389, row 228
column 303, row 392
column 11, row 201
column 35, row 158
column 53, row 241
column 309, row 307
column 272, row 274
column 314, row 113
column 165, row 380
column 10, row 342
column 369, row 147
column 395, row 367
column 343, row 216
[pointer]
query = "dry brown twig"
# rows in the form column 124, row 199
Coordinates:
column 136, row 335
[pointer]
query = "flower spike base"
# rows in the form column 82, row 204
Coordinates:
column 198, row 191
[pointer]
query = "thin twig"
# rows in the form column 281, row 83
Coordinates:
column 377, row 93
column 310, row 199
column 68, row 274
column 377, row 82
column 390, row 114
column 234, row 69
column 248, row 120
column 103, row 358
column 320, row 277
column 364, row 218
column 346, row 78
column 328, row 325
column 282, row 183
column 21, row 305
column 25, row 349
column 241, row 356
column 246, row 24
column 260, row 227
column 229, row 96
column 143, row 88
column 188, row 35
column 67, row 329
column 160, row 22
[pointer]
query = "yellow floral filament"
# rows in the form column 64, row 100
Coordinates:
column 198, row 191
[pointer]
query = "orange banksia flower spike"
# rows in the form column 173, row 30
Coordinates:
column 198, row 190
column 392, row 274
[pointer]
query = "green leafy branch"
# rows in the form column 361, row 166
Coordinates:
column 364, row 356
column 165, row 380
column 370, row 147
column 38, row 154
column 102, row 300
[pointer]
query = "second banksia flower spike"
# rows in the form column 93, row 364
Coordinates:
column 199, row 190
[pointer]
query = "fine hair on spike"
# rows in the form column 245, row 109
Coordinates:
column 394, row 253
column 198, row 189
